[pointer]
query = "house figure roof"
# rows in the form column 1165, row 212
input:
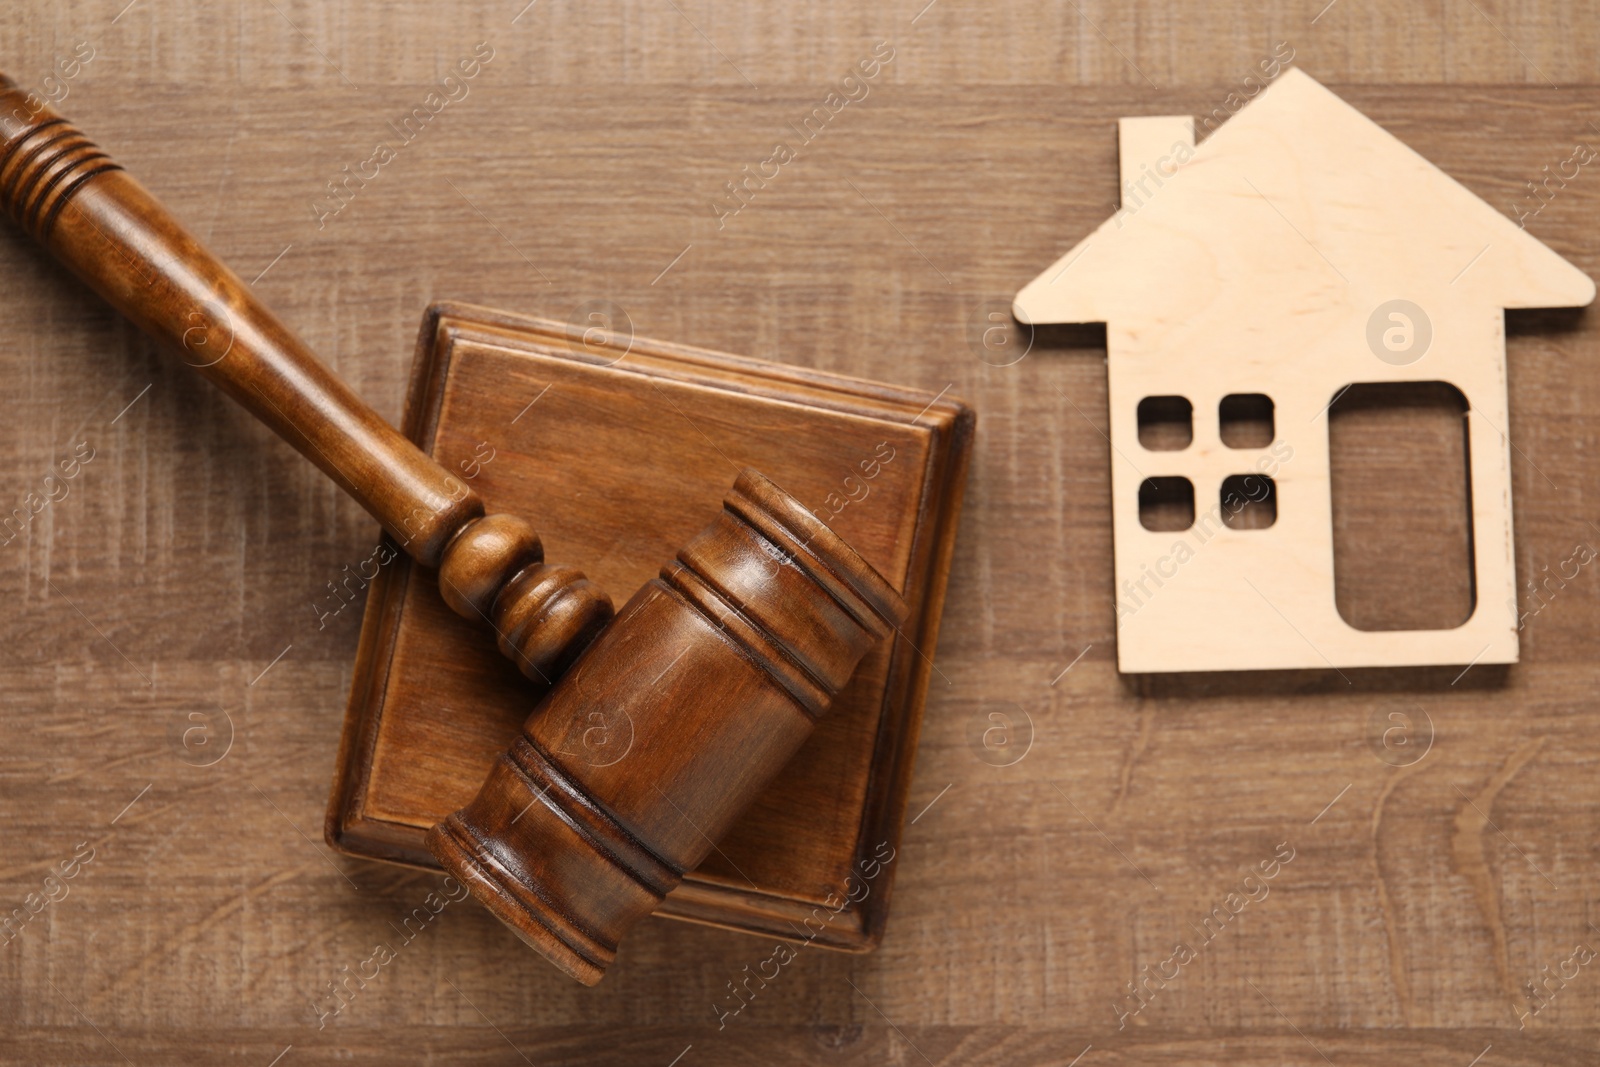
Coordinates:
column 1296, row 158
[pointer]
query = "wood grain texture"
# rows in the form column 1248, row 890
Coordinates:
column 1416, row 906
column 1298, row 252
column 431, row 711
column 97, row 220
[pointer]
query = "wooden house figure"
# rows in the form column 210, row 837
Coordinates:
column 1298, row 250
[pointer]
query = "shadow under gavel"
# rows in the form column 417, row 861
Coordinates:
column 718, row 669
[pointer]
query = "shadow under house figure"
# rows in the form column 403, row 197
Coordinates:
column 1297, row 251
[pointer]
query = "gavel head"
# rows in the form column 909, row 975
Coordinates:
column 665, row 729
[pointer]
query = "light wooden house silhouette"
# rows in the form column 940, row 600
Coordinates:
column 1298, row 250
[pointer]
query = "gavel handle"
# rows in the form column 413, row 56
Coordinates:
column 68, row 195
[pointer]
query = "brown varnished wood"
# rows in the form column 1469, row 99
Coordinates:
column 768, row 609
column 68, row 195
column 593, row 142
column 668, row 726
column 652, row 472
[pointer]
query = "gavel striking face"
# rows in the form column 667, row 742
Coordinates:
column 715, row 672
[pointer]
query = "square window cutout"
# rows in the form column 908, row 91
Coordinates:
column 1249, row 502
column 1166, row 423
column 1166, row 504
column 1245, row 420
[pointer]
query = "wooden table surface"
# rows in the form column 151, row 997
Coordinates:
column 168, row 598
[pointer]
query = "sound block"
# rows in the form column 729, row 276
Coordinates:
column 618, row 450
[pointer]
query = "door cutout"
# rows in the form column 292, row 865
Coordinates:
column 1400, row 467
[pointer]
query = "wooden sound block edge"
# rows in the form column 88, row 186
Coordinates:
column 840, row 392
column 346, row 826
column 702, row 899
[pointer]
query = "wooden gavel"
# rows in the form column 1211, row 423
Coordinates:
column 703, row 686
column 97, row 220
